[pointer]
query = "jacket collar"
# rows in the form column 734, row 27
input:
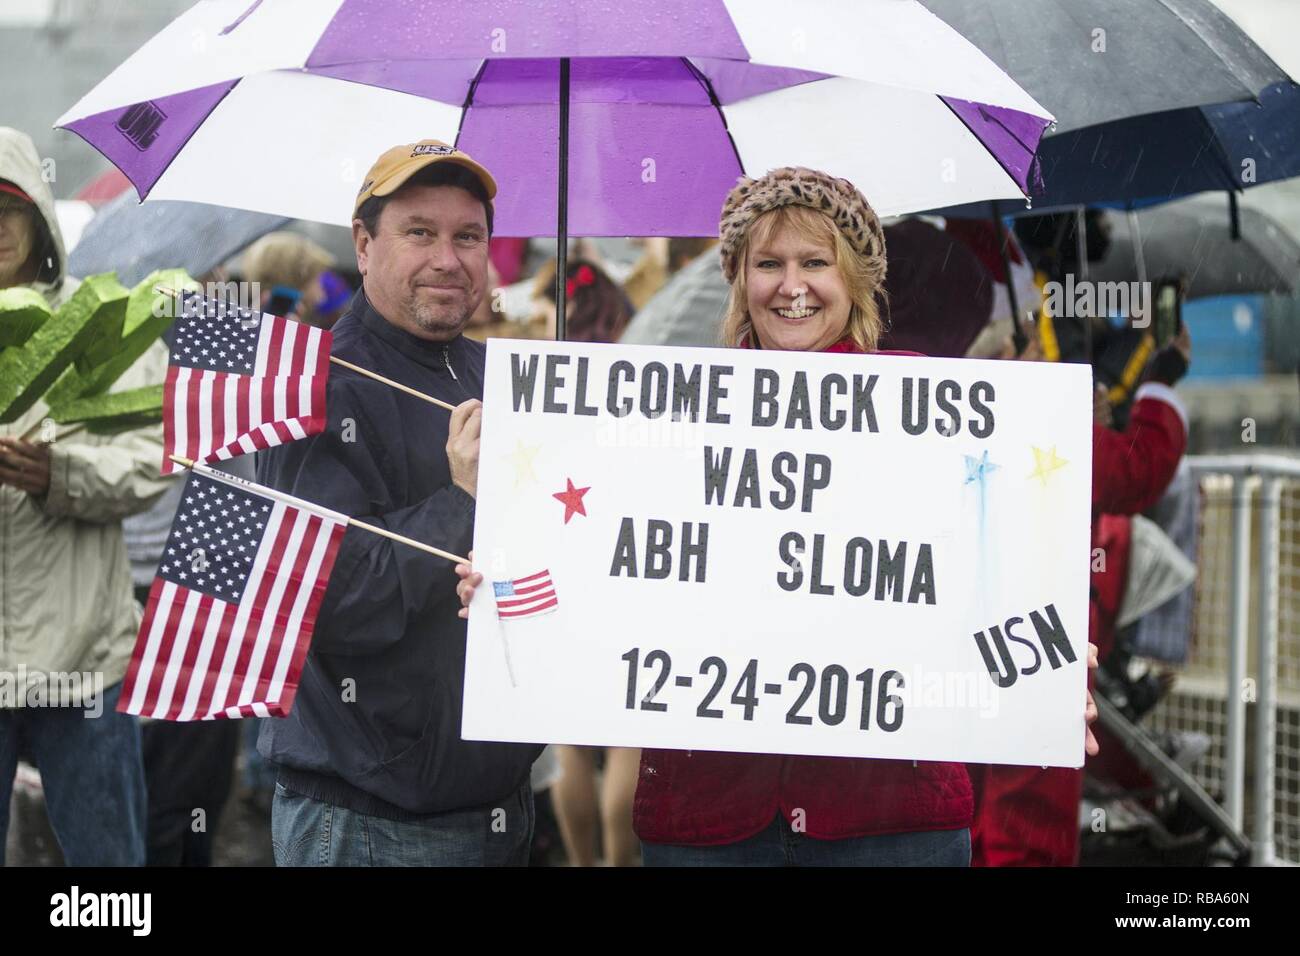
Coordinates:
column 432, row 354
column 845, row 344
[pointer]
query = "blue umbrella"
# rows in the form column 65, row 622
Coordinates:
column 1145, row 160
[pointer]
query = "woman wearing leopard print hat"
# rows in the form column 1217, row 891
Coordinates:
column 805, row 256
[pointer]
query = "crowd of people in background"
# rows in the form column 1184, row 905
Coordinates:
column 93, row 515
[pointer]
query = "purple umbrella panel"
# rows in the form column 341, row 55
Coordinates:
column 666, row 109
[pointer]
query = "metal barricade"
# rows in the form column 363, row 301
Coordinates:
column 1244, row 694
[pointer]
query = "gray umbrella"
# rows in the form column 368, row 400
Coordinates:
column 133, row 238
column 1097, row 61
column 688, row 310
column 1192, row 237
column 1154, row 98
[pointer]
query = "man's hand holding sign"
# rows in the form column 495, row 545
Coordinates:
column 781, row 552
column 462, row 445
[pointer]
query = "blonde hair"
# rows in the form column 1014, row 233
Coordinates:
column 863, row 275
column 287, row 259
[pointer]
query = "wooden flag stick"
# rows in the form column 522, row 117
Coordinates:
column 163, row 290
column 291, row 500
column 413, row 543
column 388, row 381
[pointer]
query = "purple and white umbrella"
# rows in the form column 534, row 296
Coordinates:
column 279, row 106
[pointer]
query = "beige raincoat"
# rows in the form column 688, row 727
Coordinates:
column 65, row 585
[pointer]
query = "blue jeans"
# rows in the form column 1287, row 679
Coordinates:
column 778, row 845
column 92, row 775
column 306, row 832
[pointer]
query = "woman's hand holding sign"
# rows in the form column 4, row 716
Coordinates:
column 1090, row 745
column 470, row 579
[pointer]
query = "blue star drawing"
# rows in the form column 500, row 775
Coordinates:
column 977, row 469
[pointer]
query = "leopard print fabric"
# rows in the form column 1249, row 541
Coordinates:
column 797, row 186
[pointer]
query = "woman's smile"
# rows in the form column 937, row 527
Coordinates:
column 792, row 314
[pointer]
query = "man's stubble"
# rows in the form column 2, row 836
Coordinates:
column 433, row 319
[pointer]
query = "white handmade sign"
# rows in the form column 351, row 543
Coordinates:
column 782, row 552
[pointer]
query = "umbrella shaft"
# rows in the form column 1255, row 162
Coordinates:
column 1139, row 257
column 1081, row 266
column 562, row 213
column 1018, row 336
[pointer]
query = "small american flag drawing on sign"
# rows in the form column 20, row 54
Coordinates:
column 239, row 381
column 525, row 597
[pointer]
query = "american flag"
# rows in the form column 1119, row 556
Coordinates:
column 525, row 597
column 239, row 381
column 231, row 611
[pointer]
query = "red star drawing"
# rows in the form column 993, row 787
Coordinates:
column 572, row 499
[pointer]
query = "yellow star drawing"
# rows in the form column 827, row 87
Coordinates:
column 1046, row 462
column 522, row 458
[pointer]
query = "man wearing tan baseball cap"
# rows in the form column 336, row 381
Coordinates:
column 427, row 285
column 371, row 766
column 397, row 165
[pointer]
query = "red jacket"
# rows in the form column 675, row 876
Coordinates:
column 1112, row 534
column 1029, row 816
column 1130, row 472
column 702, row 798
column 1131, row 469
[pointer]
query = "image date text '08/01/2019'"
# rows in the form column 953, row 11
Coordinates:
column 879, row 707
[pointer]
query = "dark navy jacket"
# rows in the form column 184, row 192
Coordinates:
column 388, row 743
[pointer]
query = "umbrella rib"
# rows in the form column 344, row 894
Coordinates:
column 717, row 106
column 1194, row 28
column 1216, row 148
column 469, row 98
column 1006, row 129
column 241, row 18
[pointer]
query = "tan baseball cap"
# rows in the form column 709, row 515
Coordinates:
column 397, row 165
